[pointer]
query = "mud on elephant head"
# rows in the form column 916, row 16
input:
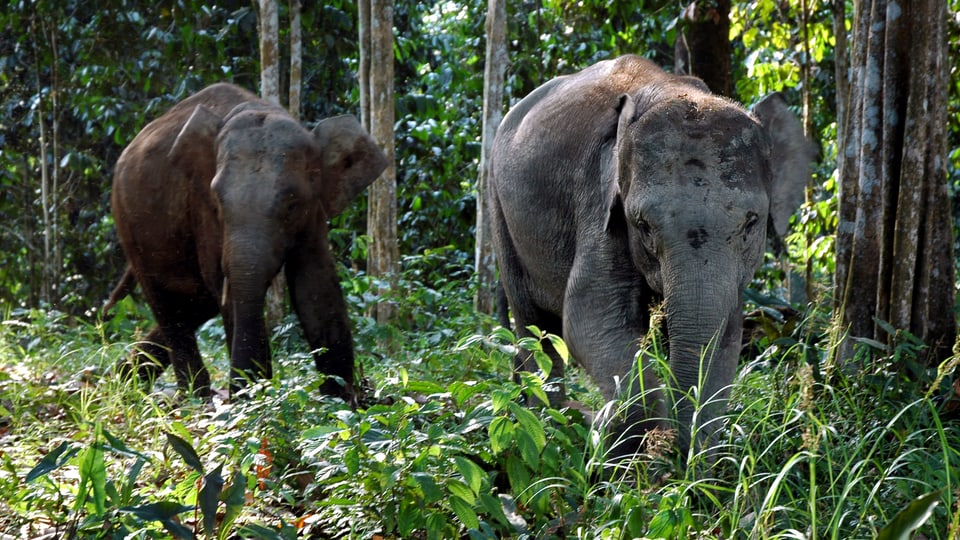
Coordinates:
column 620, row 187
column 210, row 201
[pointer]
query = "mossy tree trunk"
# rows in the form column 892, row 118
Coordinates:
column 376, row 35
column 895, row 237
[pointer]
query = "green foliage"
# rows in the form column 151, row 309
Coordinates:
column 443, row 447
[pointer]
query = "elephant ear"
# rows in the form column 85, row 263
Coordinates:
column 350, row 161
column 193, row 149
column 791, row 157
column 611, row 167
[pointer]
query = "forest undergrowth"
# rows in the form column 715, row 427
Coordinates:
column 442, row 445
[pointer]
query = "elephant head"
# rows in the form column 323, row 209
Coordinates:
column 697, row 182
column 274, row 186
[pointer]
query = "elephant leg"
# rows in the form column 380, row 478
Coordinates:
column 603, row 325
column 526, row 314
column 151, row 358
column 524, row 361
column 178, row 318
column 187, row 364
column 318, row 301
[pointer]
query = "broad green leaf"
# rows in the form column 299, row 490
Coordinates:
column 494, row 506
column 464, row 511
column 209, row 498
column 530, row 424
column 351, row 460
column 472, row 473
column 544, row 363
column 459, row 489
column 234, row 497
column 436, row 526
column 408, row 517
column 164, row 512
column 665, row 524
column 911, row 517
column 261, row 532
column 319, row 432
column 119, row 446
column 431, row 491
column 528, row 450
column 52, row 461
column 501, row 399
column 501, row 434
column 560, row 346
column 126, row 493
column 519, row 477
column 186, row 451
column 93, row 476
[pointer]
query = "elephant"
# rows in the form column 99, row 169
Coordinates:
column 210, row 201
column 621, row 188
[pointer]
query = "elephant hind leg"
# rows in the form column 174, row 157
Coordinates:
column 150, row 358
column 525, row 361
column 178, row 318
column 187, row 364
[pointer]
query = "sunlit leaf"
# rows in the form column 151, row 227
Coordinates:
column 52, row 461
column 472, row 473
column 501, row 434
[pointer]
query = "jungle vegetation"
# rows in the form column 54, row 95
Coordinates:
column 814, row 446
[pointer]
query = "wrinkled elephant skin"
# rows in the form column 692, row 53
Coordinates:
column 622, row 186
column 211, row 200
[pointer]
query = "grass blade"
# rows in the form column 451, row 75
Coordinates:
column 911, row 517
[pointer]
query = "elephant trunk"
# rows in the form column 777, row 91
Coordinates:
column 704, row 327
column 248, row 277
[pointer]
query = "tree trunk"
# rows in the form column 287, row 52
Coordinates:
column 703, row 48
column 270, row 91
column 296, row 59
column 383, row 253
column 363, row 75
column 493, row 82
column 895, row 239
column 269, row 51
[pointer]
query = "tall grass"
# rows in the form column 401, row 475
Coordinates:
column 442, row 446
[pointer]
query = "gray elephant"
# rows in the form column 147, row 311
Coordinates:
column 210, row 201
column 621, row 186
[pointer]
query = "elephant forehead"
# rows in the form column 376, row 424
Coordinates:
column 264, row 132
column 697, row 146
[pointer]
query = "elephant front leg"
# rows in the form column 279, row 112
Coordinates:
column 603, row 326
column 318, row 301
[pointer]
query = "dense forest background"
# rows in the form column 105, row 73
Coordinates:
column 79, row 79
column 441, row 446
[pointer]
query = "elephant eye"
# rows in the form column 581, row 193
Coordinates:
column 645, row 233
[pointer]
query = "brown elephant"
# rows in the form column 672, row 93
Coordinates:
column 210, row 201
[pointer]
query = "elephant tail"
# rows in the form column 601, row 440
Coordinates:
column 121, row 291
column 503, row 309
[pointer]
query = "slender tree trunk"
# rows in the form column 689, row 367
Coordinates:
column 45, row 206
column 363, row 75
column 296, row 59
column 270, row 91
column 383, row 253
column 895, row 238
column 269, row 51
column 493, row 82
